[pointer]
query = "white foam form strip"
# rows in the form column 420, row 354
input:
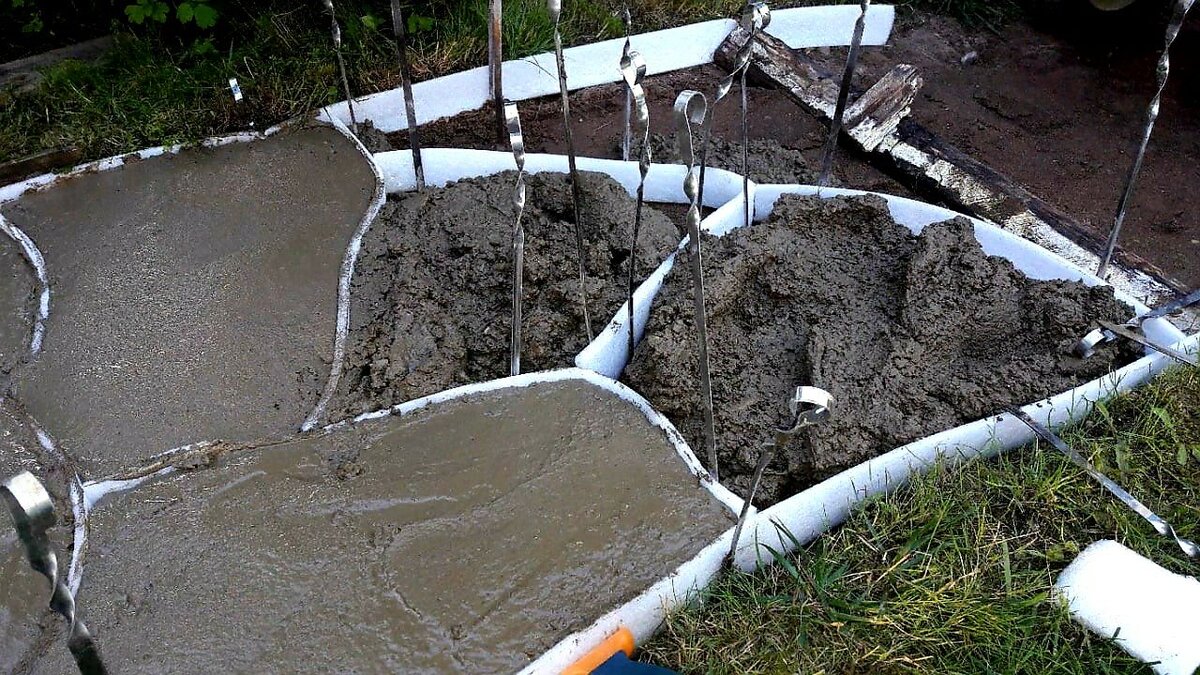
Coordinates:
column 33, row 256
column 595, row 64
column 342, row 329
column 1147, row 610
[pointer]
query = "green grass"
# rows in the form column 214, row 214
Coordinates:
column 953, row 574
column 152, row 90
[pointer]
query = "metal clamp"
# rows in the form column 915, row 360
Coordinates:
column 1161, row 526
column 633, row 71
column 33, row 513
column 809, row 406
column 512, row 121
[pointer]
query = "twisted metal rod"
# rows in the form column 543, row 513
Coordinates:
column 809, row 406
column 410, row 108
column 1161, row 73
column 691, row 108
column 33, row 514
column 555, row 9
column 627, row 130
column 337, row 49
column 755, row 17
column 839, row 111
column 1161, row 526
column 633, row 71
column 512, row 120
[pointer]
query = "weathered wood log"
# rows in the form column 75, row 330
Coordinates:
column 877, row 125
column 42, row 162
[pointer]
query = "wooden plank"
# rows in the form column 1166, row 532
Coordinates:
column 934, row 168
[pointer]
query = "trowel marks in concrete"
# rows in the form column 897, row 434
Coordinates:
column 466, row 538
column 195, row 295
column 912, row 336
column 432, row 296
column 17, row 285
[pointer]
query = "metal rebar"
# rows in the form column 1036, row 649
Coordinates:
column 633, row 71
column 627, row 134
column 809, row 406
column 495, row 64
column 1161, row 73
column 555, row 9
column 410, row 108
column 1161, row 526
column 839, row 111
column 33, row 514
column 337, row 50
column 691, row 108
column 512, row 121
column 755, row 16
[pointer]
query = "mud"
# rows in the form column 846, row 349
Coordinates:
column 432, row 291
column 194, row 294
column 17, row 290
column 467, row 538
column 911, row 334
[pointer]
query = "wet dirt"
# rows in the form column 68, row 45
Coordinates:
column 194, row 295
column 432, row 294
column 17, row 298
column 912, row 335
column 465, row 538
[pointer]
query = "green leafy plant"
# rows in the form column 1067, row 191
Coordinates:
column 197, row 12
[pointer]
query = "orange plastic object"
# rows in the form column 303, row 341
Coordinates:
column 620, row 641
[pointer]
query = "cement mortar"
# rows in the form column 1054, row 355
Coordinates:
column 17, row 300
column 466, row 538
column 194, row 294
column 432, row 294
column 24, row 594
column 912, row 336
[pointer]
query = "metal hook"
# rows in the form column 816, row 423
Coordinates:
column 627, row 136
column 633, row 71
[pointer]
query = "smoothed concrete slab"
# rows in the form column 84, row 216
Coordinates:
column 194, row 295
column 468, row 537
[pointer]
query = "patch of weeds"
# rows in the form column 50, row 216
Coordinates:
column 953, row 574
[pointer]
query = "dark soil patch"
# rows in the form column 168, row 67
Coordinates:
column 432, row 291
column 911, row 334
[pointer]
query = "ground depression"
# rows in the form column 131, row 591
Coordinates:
column 194, row 295
column 432, row 294
column 911, row 334
column 469, row 537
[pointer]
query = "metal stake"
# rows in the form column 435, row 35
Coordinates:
column 1163, row 70
column 1163, row 527
column 809, row 406
column 495, row 64
column 33, row 514
column 555, row 9
column 839, row 112
column 410, row 108
column 633, row 70
column 627, row 136
column 692, row 108
column 337, row 49
column 1122, row 331
column 755, row 16
column 512, row 121
column 758, row 16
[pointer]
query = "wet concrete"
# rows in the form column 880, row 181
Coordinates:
column 467, row 538
column 767, row 161
column 24, row 593
column 194, row 295
column 912, row 336
column 17, row 290
column 432, row 295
